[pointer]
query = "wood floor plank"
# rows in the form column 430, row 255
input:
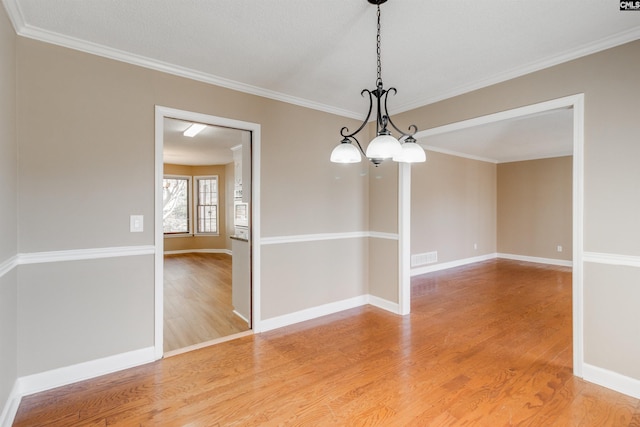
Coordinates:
column 485, row 345
column 198, row 300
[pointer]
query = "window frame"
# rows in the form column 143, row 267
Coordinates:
column 189, row 231
column 196, row 205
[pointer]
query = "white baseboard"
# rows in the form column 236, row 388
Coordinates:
column 199, row 251
column 82, row 371
column 47, row 380
column 613, row 380
column 311, row 313
column 460, row 262
column 451, row 264
column 10, row 408
column 539, row 260
column 241, row 316
column 384, row 304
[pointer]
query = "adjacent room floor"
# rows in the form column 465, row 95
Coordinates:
column 197, row 300
column 487, row 344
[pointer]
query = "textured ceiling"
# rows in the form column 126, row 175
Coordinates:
column 321, row 54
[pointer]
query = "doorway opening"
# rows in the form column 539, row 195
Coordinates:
column 206, row 229
column 573, row 103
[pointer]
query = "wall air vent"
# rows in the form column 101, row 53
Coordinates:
column 425, row 258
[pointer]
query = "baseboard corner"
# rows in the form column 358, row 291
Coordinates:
column 612, row 380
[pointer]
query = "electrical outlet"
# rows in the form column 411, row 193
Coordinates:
column 559, row 248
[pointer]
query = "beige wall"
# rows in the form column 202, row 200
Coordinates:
column 86, row 138
column 453, row 207
column 98, row 308
column 609, row 81
column 535, row 205
column 186, row 243
column 383, row 218
column 611, row 295
column 8, row 210
column 311, row 274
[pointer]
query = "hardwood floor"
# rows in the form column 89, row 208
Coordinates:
column 197, row 300
column 485, row 345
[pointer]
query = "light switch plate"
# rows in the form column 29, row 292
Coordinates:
column 136, row 223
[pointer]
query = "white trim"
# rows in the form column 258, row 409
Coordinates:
column 554, row 104
column 47, row 380
column 612, row 259
column 160, row 113
column 613, row 380
column 455, row 153
column 278, row 240
column 241, row 316
column 25, row 30
column 207, row 343
column 404, row 239
column 165, row 67
column 8, row 265
column 327, row 309
column 313, row 313
column 190, row 205
column 11, row 406
column 199, row 251
column 73, row 255
column 588, row 49
column 382, row 235
column 577, row 103
column 490, row 160
column 196, row 199
column 384, row 304
column 299, row 238
column 451, row 264
column 83, row 254
column 539, row 260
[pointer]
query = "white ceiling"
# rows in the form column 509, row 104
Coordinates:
column 542, row 135
column 321, row 54
column 212, row 146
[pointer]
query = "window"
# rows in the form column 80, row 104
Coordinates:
column 206, row 204
column 175, row 204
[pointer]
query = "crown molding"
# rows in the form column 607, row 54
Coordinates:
column 585, row 50
column 25, row 30
column 28, row 31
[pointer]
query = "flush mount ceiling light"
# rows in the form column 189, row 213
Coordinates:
column 194, row 129
column 384, row 146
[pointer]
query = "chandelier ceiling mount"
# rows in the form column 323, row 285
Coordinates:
column 384, row 146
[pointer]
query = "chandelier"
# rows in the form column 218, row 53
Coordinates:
column 384, row 146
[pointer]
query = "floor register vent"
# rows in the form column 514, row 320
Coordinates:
column 425, row 258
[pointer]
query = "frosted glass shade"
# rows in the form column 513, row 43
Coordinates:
column 383, row 147
column 411, row 153
column 345, row 152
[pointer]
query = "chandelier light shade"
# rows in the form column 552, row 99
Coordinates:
column 345, row 152
column 411, row 152
column 384, row 146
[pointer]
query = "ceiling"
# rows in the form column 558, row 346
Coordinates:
column 536, row 136
column 321, row 54
column 212, row 146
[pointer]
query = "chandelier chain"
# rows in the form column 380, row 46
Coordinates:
column 384, row 145
column 379, row 79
